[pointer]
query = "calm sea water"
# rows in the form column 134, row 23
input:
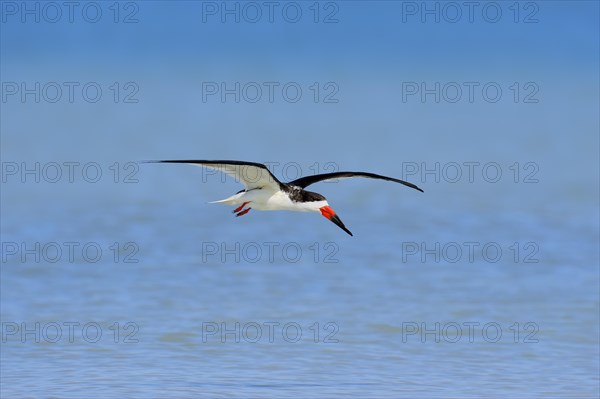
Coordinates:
column 120, row 280
column 197, row 303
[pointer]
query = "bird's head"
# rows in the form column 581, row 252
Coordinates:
column 316, row 202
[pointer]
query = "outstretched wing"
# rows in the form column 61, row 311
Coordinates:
column 308, row 180
column 251, row 174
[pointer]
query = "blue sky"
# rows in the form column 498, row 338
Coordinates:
column 560, row 33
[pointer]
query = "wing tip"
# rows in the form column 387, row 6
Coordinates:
column 408, row 184
column 149, row 161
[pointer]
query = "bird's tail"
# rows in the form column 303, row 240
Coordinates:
column 228, row 201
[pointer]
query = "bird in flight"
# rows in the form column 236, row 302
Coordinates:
column 264, row 192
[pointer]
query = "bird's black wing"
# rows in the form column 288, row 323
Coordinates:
column 250, row 174
column 308, row 180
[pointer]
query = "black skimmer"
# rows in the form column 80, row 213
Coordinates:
column 264, row 192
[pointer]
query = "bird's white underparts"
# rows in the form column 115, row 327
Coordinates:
column 264, row 192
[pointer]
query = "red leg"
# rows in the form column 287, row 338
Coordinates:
column 239, row 208
column 245, row 211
